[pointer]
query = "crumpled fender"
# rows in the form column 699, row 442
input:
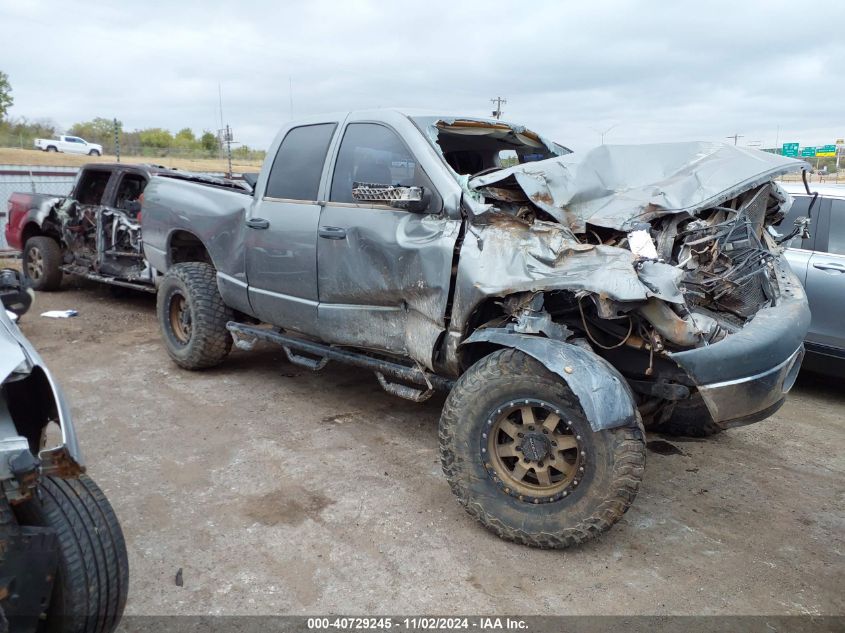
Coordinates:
column 604, row 395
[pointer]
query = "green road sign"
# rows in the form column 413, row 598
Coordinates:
column 826, row 150
column 808, row 151
column 790, row 149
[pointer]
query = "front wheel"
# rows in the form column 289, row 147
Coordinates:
column 520, row 455
column 89, row 592
column 193, row 317
column 93, row 152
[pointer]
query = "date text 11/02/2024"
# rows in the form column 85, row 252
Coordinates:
column 416, row 623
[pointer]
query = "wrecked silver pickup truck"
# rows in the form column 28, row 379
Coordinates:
column 562, row 300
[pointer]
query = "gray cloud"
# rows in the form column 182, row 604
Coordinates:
column 657, row 71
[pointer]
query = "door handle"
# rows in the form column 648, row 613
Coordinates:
column 332, row 232
column 840, row 268
column 258, row 223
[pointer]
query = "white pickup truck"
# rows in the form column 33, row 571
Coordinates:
column 69, row 144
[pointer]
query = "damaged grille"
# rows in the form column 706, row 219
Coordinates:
column 726, row 259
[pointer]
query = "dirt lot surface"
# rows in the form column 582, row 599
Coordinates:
column 13, row 156
column 280, row 491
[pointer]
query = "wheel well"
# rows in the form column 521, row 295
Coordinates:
column 187, row 247
column 30, row 230
column 486, row 311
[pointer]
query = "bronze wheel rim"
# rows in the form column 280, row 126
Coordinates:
column 180, row 318
column 532, row 452
column 35, row 263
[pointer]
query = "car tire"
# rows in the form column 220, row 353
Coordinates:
column 594, row 486
column 193, row 317
column 689, row 418
column 93, row 152
column 42, row 258
column 90, row 588
column 52, row 148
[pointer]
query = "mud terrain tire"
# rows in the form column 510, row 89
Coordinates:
column 690, row 418
column 89, row 592
column 613, row 459
column 195, row 335
column 42, row 257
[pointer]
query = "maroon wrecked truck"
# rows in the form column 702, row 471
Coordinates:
column 564, row 301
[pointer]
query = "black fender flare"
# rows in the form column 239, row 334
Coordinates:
column 605, row 396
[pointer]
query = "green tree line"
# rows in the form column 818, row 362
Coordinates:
column 152, row 142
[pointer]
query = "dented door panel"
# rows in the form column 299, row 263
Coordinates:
column 385, row 284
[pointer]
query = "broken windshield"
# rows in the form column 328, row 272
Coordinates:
column 475, row 146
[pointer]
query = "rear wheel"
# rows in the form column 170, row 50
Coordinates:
column 89, row 592
column 193, row 317
column 52, row 148
column 521, row 457
column 42, row 258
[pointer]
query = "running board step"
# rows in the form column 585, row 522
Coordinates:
column 246, row 335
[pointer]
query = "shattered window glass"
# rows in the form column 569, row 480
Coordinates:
column 371, row 153
column 472, row 146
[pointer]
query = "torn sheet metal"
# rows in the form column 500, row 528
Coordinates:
column 507, row 256
column 614, row 186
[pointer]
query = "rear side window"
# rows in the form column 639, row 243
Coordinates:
column 836, row 237
column 299, row 163
column 371, row 153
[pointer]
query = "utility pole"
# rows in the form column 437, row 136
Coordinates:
column 736, row 137
column 499, row 102
column 116, row 142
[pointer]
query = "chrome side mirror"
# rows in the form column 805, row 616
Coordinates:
column 414, row 199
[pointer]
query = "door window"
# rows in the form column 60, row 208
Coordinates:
column 371, row 153
column 799, row 207
column 91, row 186
column 836, row 236
column 298, row 165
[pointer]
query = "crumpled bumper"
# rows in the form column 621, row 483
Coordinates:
column 745, row 377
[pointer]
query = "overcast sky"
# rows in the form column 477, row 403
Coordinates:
column 657, row 71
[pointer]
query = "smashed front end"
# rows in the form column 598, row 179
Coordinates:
column 31, row 402
column 660, row 258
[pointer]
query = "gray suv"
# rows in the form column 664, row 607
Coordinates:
column 819, row 262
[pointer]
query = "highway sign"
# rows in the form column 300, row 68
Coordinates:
column 790, row 149
column 808, row 151
column 826, row 150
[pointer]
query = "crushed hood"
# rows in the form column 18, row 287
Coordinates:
column 613, row 186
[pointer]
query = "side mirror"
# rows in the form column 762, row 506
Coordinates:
column 415, row 199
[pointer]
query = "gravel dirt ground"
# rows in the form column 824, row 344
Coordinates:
column 281, row 491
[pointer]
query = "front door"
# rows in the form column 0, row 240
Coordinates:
column 281, row 249
column 384, row 273
column 826, row 281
